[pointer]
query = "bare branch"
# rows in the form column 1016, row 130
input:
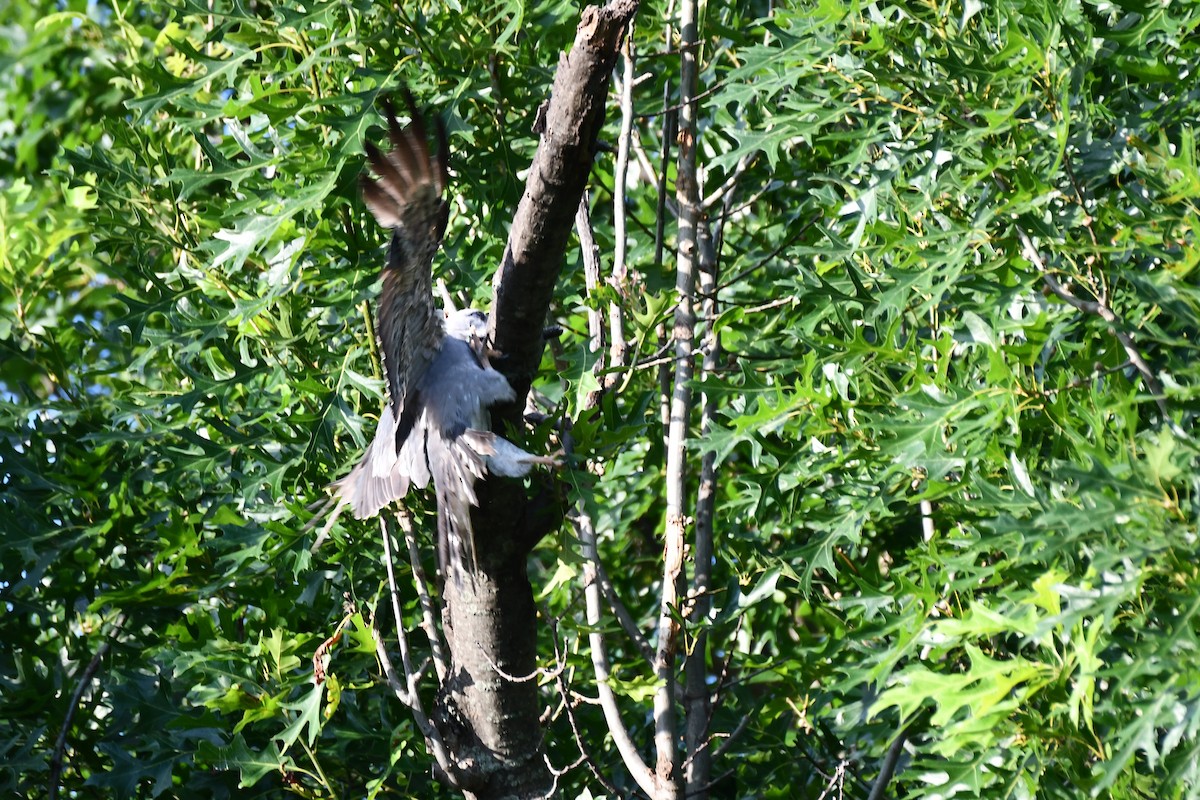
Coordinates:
column 620, row 278
column 669, row 125
column 428, row 623
column 687, row 195
column 85, row 680
column 724, row 193
column 433, row 739
column 406, row 690
column 410, row 685
column 591, row 266
column 643, row 159
column 888, row 768
column 540, row 672
column 732, row 736
column 608, row 701
column 622, row 614
column 698, row 765
column 564, row 690
column 591, row 272
column 621, row 170
column 1100, row 308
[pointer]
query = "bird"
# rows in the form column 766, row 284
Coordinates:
column 435, row 424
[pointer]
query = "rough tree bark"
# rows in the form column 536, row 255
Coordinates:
column 489, row 721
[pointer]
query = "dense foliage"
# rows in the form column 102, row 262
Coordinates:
column 949, row 502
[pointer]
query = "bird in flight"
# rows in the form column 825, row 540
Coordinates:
column 435, row 424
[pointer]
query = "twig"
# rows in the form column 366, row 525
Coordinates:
column 428, row 624
column 643, row 159
column 738, row 730
column 1100, row 308
column 724, row 193
column 591, row 272
column 406, row 691
column 723, row 674
column 85, row 679
column 556, row 774
column 600, row 664
column 540, row 672
column 622, row 614
column 687, row 52
column 704, row 789
column 621, row 170
column 669, row 125
column 838, row 779
column 433, row 739
column 1083, row 380
column 564, row 690
column 394, row 594
column 322, row 652
column 786, row 243
column 888, row 768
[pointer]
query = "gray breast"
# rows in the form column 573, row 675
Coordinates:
column 456, row 389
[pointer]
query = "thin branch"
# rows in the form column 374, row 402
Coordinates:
column 556, row 774
column 591, row 271
column 698, row 764
column 688, row 52
column 732, row 737
column 723, row 674
column 564, row 690
column 1100, row 308
column 600, row 664
column 428, row 623
column 433, row 739
column 788, row 242
column 394, row 594
column 837, row 780
column 85, row 680
column 664, row 202
column 687, row 195
column 628, row 624
column 888, row 768
column 605, row 377
column 643, row 158
column 670, row 124
column 1082, row 380
column 724, row 193
column 406, row 690
column 714, row 781
column 321, row 656
column 540, row 672
column 619, row 279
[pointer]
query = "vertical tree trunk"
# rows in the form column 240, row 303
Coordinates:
column 487, row 711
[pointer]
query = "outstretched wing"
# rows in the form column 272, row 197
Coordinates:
column 407, row 196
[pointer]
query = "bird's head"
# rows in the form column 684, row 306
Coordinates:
column 466, row 323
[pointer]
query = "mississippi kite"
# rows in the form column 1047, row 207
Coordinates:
column 435, row 424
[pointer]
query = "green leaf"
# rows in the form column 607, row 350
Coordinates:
column 308, row 716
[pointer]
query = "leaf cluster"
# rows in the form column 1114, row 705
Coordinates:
column 949, row 508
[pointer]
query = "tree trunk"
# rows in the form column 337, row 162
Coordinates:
column 487, row 711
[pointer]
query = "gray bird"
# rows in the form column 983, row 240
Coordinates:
column 440, row 384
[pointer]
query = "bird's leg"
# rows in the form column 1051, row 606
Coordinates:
column 554, row 460
column 483, row 350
